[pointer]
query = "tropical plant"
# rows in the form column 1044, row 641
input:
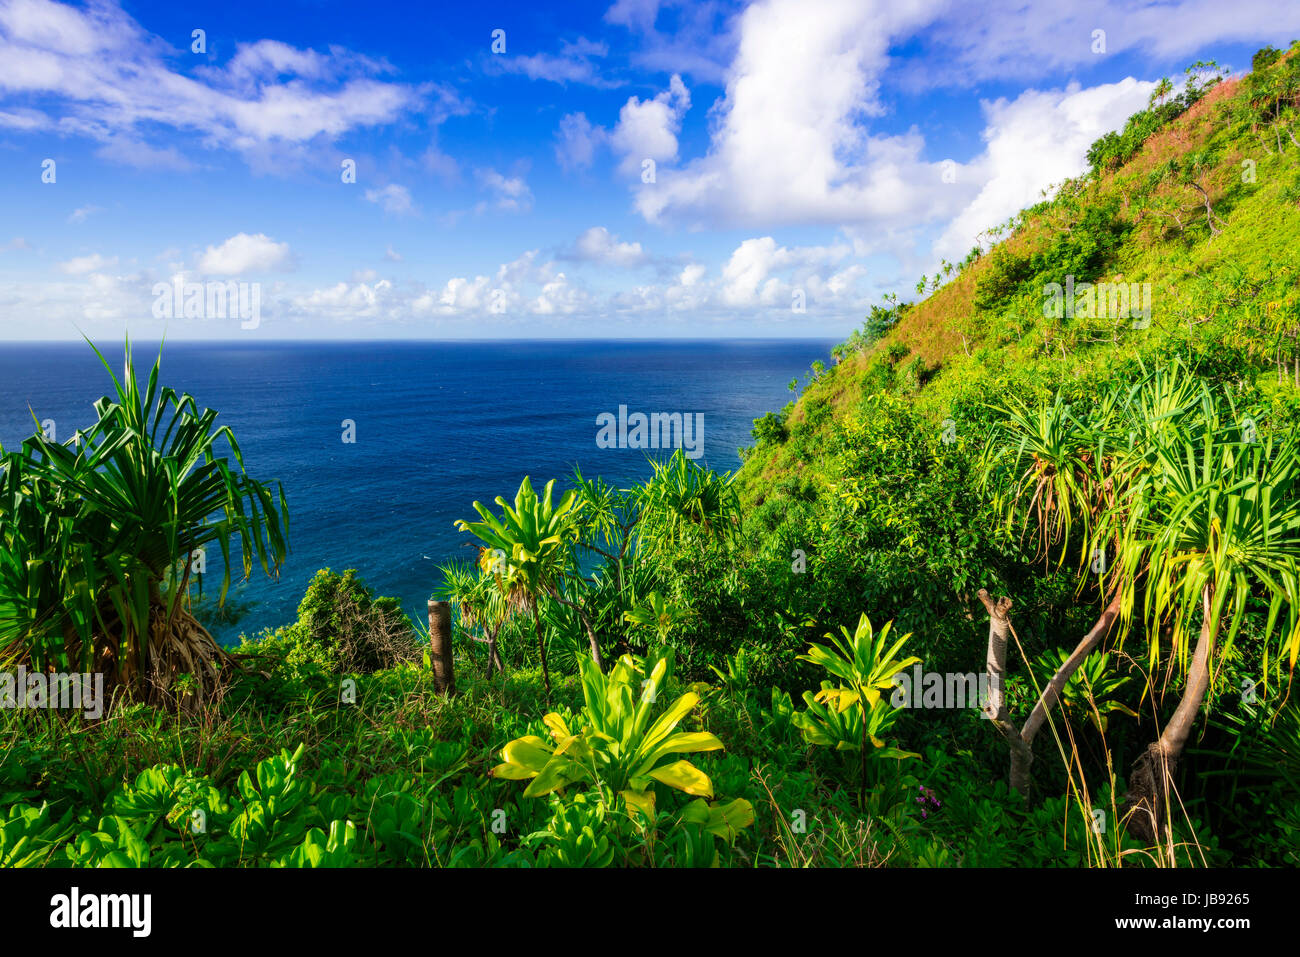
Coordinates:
column 655, row 612
column 1090, row 693
column 535, row 537
column 616, row 742
column 682, row 500
column 855, row 711
column 1192, row 510
column 480, row 596
column 101, row 535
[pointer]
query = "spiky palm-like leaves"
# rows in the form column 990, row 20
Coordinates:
column 682, row 499
column 535, row 537
column 1193, row 506
column 99, row 534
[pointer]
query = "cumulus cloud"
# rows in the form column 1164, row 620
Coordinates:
column 599, row 245
column 747, row 277
column 559, row 296
column 243, row 253
column 789, row 144
column 647, row 129
column 346, row 300
column 1035, row 141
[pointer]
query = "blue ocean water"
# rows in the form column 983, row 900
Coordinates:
column 437, row 425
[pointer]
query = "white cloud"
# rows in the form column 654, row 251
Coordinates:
column 789, row 145
column 82, row 213
column 113, row 81
column 80, row 265
column 647, row 129
column 691, row 275
column 1012, row 39
column 393, row 198
column 511, row 192
column 573, row 64
column 1036, row 141
column 243, row 253
column 746, row 278
column 697, row 40
column 558, row 296
column 577, row 140
column 463, row 295
column 634, row 14
column 599, row 245
column 24, row 119
column 348, row 301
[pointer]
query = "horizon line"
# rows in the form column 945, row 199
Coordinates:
column 250, row 340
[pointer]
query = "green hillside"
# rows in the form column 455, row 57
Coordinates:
column 1205, row 208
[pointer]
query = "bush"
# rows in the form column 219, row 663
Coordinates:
column 344, row 629
column 1002, row 279
column 769, row 428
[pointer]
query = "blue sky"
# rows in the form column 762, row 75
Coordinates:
column 634, row 169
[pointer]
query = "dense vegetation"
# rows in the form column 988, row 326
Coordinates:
column 1094, row 501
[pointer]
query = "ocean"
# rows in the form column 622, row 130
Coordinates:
column 435, row 426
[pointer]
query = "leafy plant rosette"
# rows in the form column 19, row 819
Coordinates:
column 617, row 744
column 848, row 715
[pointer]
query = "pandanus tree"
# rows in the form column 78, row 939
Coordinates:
column 481, row 595
column 683, row 501
column 534, row 539
column 1185, row 510
column 101, row 534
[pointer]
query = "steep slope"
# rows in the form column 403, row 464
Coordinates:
column 1197, row 202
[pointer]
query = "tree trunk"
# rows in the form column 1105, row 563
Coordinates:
column 541, row 646
column 592, row 641
column 1021, row 742
column 596, row 656
column 1147, row 805
column 440, row 647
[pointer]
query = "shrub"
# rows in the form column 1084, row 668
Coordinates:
column 343, row 628
column 1003, row 277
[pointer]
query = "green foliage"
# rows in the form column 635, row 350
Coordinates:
column 770, row 427
column 342, row 628
column 966, row 441
column 1115, row 149
column 1091, row 694
column 100, row 535
column 1002, row 278
column 613, row 743
column 856, row 710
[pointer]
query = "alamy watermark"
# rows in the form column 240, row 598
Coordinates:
column 56, row 692
column 657, row 430
column 209, row 300
column 938, row 689
column 1113, row 300
column 74, row 909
